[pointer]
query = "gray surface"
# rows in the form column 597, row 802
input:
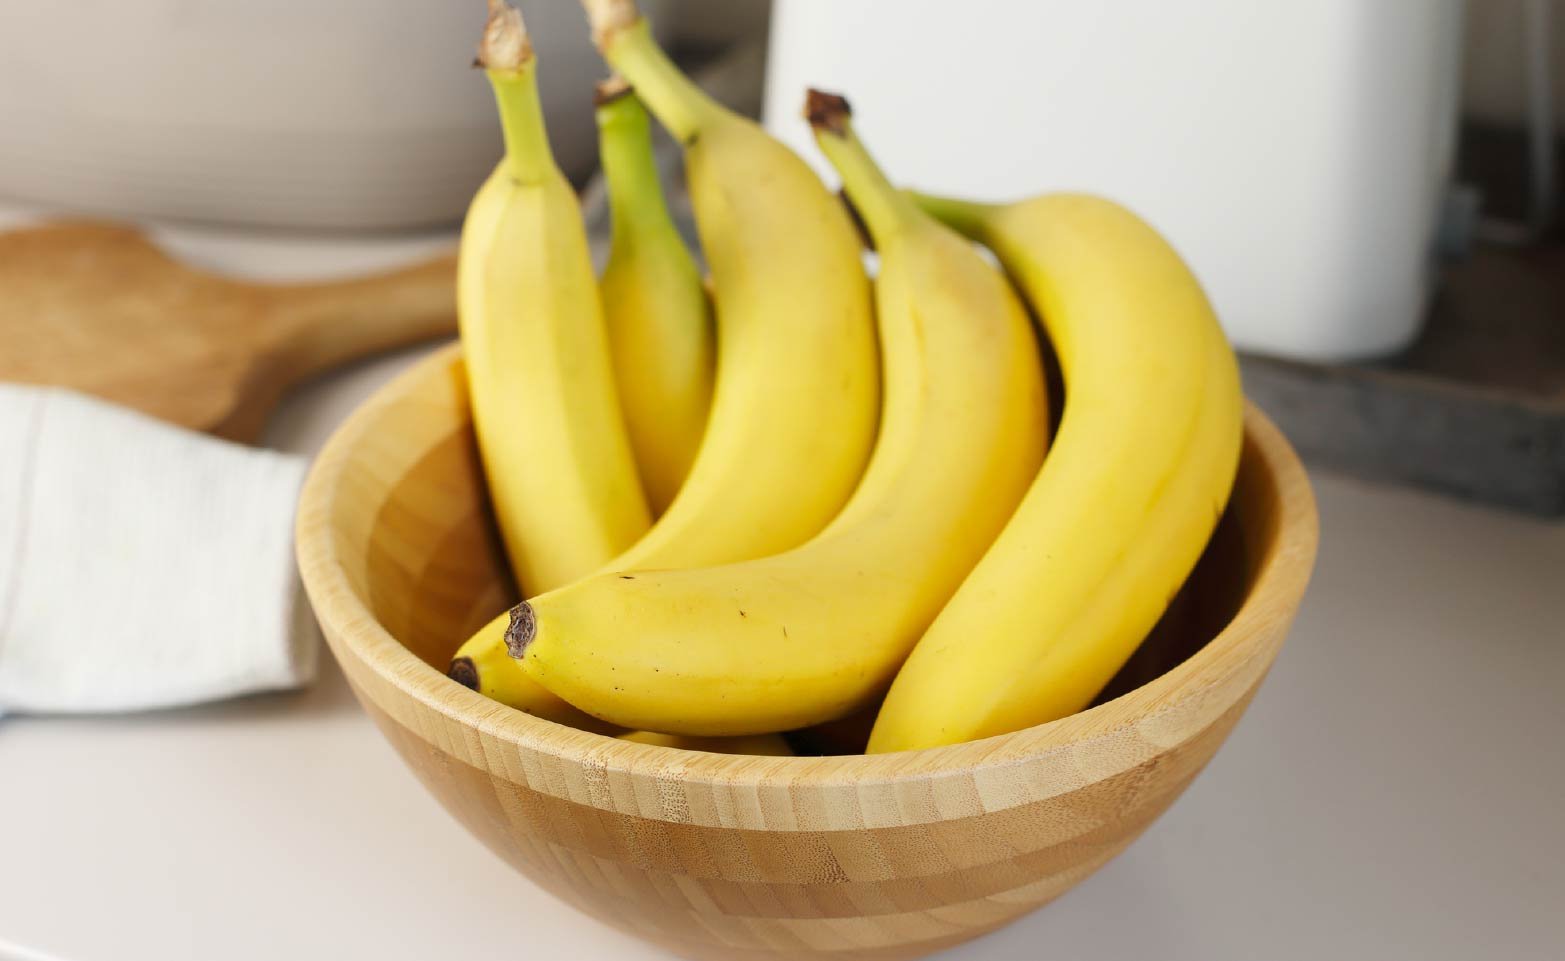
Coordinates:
column 1393, row 793
column 1475, row 407
column 1481, row 445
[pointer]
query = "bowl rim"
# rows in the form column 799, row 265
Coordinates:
column 1279, row 585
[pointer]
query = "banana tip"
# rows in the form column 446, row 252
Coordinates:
column 827, row 111
column 611, row 89
column 609, row 18
column 522, row 629
column 506, row 45
column 464, row 672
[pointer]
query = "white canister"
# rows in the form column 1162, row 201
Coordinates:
column 1296, row 153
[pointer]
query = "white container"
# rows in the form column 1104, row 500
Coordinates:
column 1296, row 153
column 297, row 113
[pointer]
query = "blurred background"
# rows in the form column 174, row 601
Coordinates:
column 1368, row 191
column 350, row 115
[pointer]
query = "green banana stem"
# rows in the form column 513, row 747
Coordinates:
column 528, row 158
column 884, row 209
column 506, row 54
column 683, row 107
column 629, row 166
column 967, row 217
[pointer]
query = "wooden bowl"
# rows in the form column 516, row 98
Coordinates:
column 716, row 856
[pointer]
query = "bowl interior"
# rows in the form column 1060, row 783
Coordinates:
column 434, row 570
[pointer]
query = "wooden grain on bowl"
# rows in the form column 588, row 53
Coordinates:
column 719, row 856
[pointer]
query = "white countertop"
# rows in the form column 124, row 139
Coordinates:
column 1394, row 792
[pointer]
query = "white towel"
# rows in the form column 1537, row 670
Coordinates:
column 141, row 565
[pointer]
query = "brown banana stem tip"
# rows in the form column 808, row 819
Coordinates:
column 827, row 111
column 522, row 629
column 610, row 89
column 506, row 45
column 608, row 18
column 464, row 672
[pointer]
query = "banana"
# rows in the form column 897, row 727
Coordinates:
column 796, row 397
column 797, row 393
column 814, row 633
column 490, row 670
column 763, row 745
column 560, row 469
column 1142, row 467
column 654, row 304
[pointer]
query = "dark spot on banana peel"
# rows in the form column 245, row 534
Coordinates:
column 464, row 672
column 743, row 614
column 522, row 629
column 626, row 577
column 858, row 220
column 827, row 111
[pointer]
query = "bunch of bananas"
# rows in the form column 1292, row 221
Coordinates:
column 788, row 497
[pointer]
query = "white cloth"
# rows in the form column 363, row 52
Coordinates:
column 141, row 565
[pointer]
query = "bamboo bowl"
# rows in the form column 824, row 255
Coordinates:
column 715, row 856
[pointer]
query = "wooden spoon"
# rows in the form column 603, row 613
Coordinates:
column 98, row 308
